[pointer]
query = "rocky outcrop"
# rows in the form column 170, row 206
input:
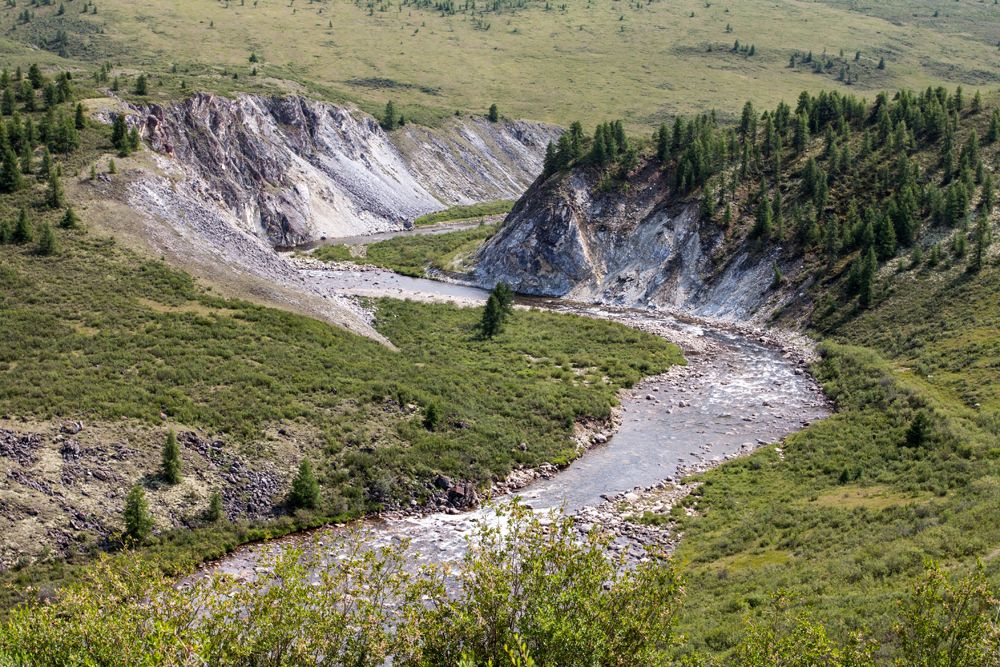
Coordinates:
column 292, row 170
column 637, row 245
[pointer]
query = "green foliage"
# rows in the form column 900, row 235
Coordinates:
column 432, row 417
column 305, row 489
column 215, row 510
column 948, row 623
column 138, row 520
column 466, row 212
column 566, row 601
column 498, row 309
column 413, row 255
column 170, row 468
column 22, row 228
column 46, row 240
column 494, row 114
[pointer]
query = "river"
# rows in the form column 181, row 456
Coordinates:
column 735, row 393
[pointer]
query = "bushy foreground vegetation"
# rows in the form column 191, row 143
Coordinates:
column 528, row 592
column 413, row 255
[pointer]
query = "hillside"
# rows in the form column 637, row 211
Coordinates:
column 868, row 224
column 108, row 348
column 554, row 62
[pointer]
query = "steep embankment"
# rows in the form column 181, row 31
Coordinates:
column 230, row 179
column 632, row 246
column 294, row 170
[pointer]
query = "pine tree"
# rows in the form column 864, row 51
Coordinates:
column 305, row 488
column 54, row 196
column 171, row 467
column 389, row 118
column 492, row 318
column 993, row 133
column 881, row 63
column 6, row 232
column 46, row 240
column 10, row 176
column 494, row 114
column 119, row 135
column 215, row 509
column 79, row 119
column 138, row 520
column 866, row 289
column 69, row 219
column 141, row 85
column 982, row 238
column 763, row 221
column 662, row 143
column 988, row 199
column 919, row 430
column 432, row 417
column 22, row 229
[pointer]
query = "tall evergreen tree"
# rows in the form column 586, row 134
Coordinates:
column 10, row 173
column 389, row 118
column 982, row 239
column 305, row 489
column 869, row 268
column 46, row 240
column 170, row 468
column 138, row 520
column 494, row 114
column 22, row 228
column 54, row 195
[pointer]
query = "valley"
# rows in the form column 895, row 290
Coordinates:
column 499, row 334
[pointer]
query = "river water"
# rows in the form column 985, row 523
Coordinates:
column 734, row 394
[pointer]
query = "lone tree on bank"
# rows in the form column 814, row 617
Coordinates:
column 171, row 459
column 305, row 488
column 494, row 114
column 498, row 307
column 138, row 520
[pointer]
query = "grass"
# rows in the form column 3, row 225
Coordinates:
column 413, row 255
column 552, row 62
column 856, row 511
column 466, row 212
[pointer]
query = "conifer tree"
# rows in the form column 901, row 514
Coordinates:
column 54, row 196
column 138, row 520
column 22, row 228
column 79, row 119
column 141, row 85
column 988, row 198
column 982, row 239
column 215, row 509
column 10, row 175
column 494, row 114
column 69, row 219
column 119, row 135
column 866, row 289
column 389, row 118
column 305, row 488
column 662, row 143
column 171, row 466
column 46, row 240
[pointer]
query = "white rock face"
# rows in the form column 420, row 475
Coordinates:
column 640, row 246
column 293, row 170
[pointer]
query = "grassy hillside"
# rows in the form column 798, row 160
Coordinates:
column 547, row 61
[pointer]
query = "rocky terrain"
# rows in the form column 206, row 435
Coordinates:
column 294, row 170
column 636, row 245
column 228, row 180
column 64, row 485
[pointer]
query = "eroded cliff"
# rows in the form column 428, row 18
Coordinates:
column 634, row 243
